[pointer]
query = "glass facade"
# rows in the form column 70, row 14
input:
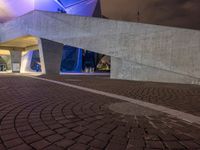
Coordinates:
column 71, row 60
column 35, row 61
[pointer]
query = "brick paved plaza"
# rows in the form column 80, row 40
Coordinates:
column 36, row 115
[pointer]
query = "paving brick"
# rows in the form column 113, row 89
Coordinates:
column 71, row 135
column 97, row 144
column 79, row 129
column 90, row 132
column 119, row 133
column 2, row 147
column 133, row 147
column 54, row 138
column 40, row 144
column 137, row 143
column 79, row 146
column 65, row 143
column 70, row 125
column 104, row 130
column 10, row 136
column 40, row 128
column 62, row 130
column 183, row 137
column 84, row 139
column 24, row 128
column 53, row 147
column 32, row 138
column 154, row 144
column 103, row 137
column 7, row 131
column 21, row 147
column 45, row 133
column 151, row 137
column 190, row 144
column 55, row 126
column 119, row 140
column 114, row 146
column 167, row 137
column 174, row 145
column 13, row 143
column 93, row 148
column 27, row 133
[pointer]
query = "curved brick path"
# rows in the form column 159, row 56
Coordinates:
column 42, row 115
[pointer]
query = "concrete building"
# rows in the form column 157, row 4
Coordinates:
column 138, row 51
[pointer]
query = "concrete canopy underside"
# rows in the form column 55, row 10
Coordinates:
column 138, row 51
column 20, row 43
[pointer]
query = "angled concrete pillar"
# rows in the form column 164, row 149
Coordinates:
column 26, row 62
column 15, row 60
column 50, row 56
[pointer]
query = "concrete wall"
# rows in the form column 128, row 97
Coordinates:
column 127, row 70
column 50, row 56
column 164, row 48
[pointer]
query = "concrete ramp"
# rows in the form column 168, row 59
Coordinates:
column 138, row 51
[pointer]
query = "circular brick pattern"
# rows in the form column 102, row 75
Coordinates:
column 40, row 115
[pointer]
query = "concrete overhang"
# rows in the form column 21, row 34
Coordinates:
column 4, row 52
column 21, row 43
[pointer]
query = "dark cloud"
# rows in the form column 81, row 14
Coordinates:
column 178, row 13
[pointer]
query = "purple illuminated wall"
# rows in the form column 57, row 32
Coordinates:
column 79, row 7
column 47, row 5
column 14, row 8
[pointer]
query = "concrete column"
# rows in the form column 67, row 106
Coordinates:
column 50, row 56
column 26, row 62
column 16, row 60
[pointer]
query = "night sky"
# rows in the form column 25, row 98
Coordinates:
column 178, row 13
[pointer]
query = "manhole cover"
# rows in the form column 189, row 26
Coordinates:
column 132, row 109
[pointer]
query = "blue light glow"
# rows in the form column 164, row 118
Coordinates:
column 78, row 7
column 71, row 59
column 14, row 8
column 47, row 5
